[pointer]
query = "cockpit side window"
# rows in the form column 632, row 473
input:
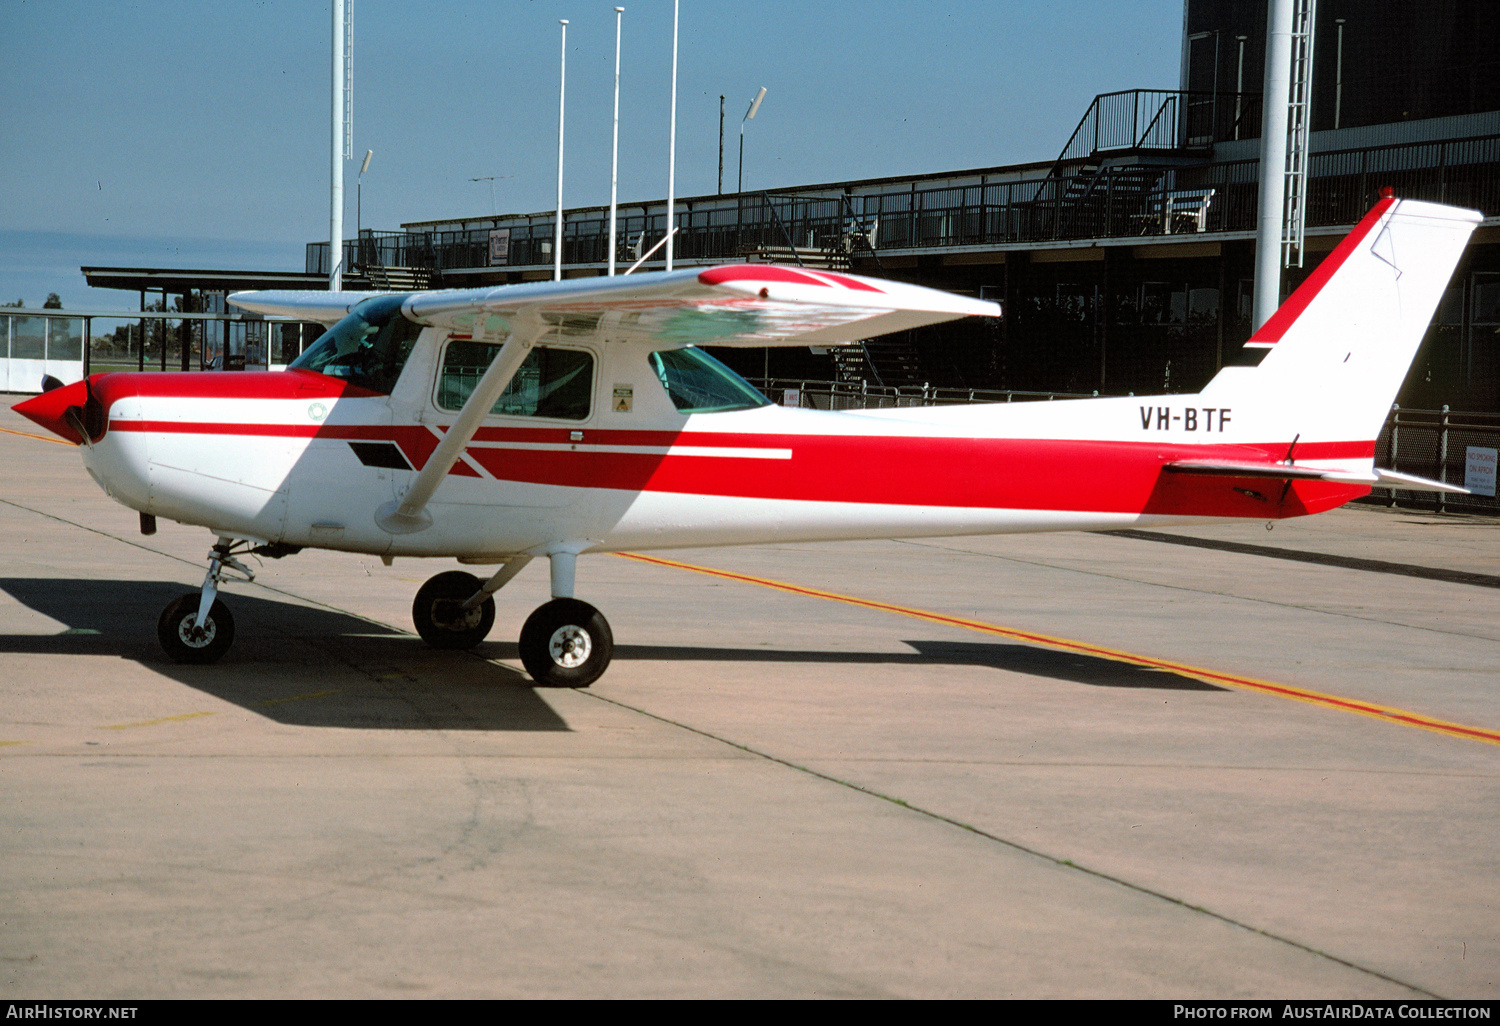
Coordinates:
column 698, row 383
column 368, row 348
column 552, row 382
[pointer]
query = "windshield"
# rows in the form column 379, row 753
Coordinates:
column 697, row 383
column 368, row 348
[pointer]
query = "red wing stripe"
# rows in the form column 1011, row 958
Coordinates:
column 758, row 272
column 848, row 282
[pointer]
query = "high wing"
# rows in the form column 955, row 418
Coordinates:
column 752, row 305
column 304, row 304
column 733, row 305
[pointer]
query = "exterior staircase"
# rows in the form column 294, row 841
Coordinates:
column 814, row 259
column 401, row 279
column 892, row 361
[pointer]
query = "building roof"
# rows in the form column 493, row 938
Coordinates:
column 184, row 279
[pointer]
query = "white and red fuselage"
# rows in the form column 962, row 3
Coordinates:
column 269, row 457
column 305, row 459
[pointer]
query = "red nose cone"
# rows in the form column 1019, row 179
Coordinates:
column 49, row 409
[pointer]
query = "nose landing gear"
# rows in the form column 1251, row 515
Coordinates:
column 198, row 628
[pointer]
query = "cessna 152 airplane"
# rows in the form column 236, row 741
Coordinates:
column 497, row 425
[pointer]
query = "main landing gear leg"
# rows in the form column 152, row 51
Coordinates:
column 197, row 628
column 566, row 643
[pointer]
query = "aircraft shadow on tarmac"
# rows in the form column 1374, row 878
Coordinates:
column 308, row 666
column 1023, row 659
column 294, row 664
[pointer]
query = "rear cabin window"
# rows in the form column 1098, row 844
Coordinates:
column 553, row 382
column 698, row 383
column 368, row 348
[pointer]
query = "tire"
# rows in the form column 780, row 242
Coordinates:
column 566, row 644
column 174, row 631
column 440, row 621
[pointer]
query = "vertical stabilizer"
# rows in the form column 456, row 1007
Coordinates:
column 1341, row 345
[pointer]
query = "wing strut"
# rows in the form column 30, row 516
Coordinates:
column 409, row 515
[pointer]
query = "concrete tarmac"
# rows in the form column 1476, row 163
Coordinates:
column 768, row 794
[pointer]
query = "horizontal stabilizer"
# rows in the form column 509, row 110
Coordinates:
column 1376, row 477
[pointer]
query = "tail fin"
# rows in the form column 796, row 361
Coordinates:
column 1342, row 344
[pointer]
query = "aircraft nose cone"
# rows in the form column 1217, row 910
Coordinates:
column 50, row 410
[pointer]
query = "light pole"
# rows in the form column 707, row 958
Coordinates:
column 749, row 116
column 336, row 154
column 1338, row 76
column 614, row 160
column 562, row 97
column 359, row 206
column 672, row 145
column 1239, row 85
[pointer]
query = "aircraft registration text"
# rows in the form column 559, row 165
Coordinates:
column 1192, row 418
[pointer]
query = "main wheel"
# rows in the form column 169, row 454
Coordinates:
column 187, row 642
column 566, row 644
column 439, row 614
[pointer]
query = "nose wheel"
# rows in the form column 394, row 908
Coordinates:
column 566, row 644
column 186, row 640
column 198, row 628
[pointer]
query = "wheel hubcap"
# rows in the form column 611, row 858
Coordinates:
column 195, row 636
column 570, row 646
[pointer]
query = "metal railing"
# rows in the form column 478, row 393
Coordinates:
column 1146, row 120
column 1113, row 202
column 809, row 394
column 63, row 343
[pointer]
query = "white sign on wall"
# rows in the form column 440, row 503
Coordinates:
column 1479, row 470
column 499, row 246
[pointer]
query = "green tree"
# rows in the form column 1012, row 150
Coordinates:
column 54, row 302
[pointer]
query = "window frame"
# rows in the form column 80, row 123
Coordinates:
column 593, row 388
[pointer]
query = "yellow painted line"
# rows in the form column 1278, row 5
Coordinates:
column 1380, row 712
column 4, row 743
column 196, row 715
column 152, row 723
column 40, row 438
column 296, row 698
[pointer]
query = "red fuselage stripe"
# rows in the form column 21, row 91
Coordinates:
column 1037, row 474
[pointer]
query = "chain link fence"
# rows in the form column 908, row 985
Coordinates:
column 1447, row 445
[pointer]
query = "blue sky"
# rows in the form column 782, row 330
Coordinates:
column 158, row 133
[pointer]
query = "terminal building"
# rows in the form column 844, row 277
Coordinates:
column 1125, row 264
